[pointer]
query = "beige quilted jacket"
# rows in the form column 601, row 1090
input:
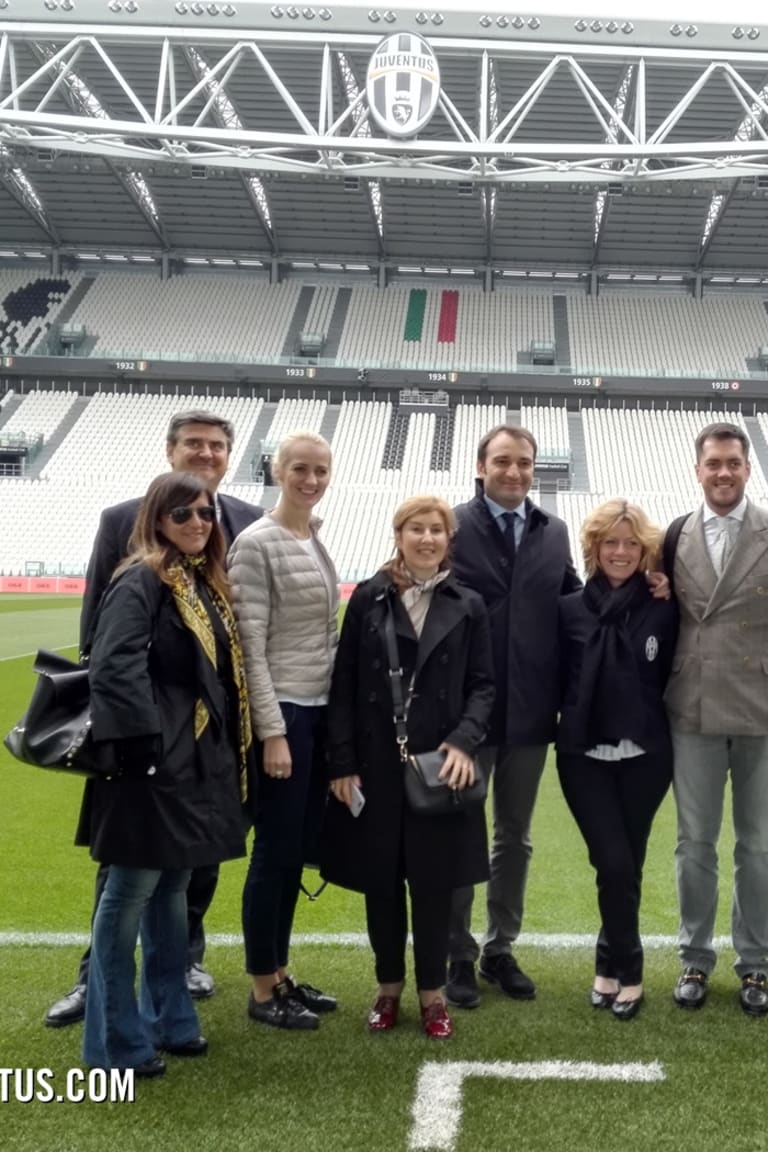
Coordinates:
column 287, row 623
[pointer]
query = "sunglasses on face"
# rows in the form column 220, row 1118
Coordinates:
column 205, row 512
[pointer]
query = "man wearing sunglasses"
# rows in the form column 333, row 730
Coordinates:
column 200, row 442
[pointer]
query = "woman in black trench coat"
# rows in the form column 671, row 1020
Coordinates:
column 443, row 641
column 171, row 722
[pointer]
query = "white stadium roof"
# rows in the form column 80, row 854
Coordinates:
column 579, row 139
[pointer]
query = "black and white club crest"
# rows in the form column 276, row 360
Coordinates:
column 403, row 84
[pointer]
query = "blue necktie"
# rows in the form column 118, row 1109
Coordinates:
column 509, row 533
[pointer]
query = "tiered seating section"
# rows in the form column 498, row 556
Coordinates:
column 39, row 414
column 665, row 335
column 208, row 316
column 196, row 317
column 28, row 307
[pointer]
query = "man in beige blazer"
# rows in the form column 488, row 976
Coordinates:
column 717, row 700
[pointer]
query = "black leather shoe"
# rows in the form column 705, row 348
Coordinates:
column 200, row 984
column 461, row 988
column 198, row 1046
column 281, row 1011
column 311, row 998
column 602, row 999
column 69, row 1010
column 691, row 988
column 753, row 995
column 150, row 1069
column 627, row 1009
column 505, row 972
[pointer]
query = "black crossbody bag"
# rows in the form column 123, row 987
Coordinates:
column 425, row 792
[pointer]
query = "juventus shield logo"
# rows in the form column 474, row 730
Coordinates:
column 403, row 84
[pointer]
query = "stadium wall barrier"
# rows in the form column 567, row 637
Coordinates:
column 75, row 585
column 44, row 585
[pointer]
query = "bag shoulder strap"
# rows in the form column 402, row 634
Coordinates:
column 400, row 700
column 669, row 547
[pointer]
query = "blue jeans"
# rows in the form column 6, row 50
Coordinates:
column 121, row 1031
column 287, row 825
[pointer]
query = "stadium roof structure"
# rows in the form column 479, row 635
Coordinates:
column 249, row 134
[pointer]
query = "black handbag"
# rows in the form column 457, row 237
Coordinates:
column 425, row 792
column 55, row 730
column 428, row 794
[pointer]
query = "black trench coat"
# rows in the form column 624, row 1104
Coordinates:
column 453, row 696
column 146, row 674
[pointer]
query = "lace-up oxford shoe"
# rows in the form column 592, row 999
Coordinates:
column 70, row 1009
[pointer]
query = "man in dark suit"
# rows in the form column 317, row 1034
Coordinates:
column 200, row 442
column 518, row 558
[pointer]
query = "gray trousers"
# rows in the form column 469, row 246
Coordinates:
column 516, row 776
column 702, row 766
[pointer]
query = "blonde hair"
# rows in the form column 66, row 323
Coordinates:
column 284, row 448
column 602, row 520
column 417, row 506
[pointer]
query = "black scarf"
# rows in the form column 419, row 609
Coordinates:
column 610, row 706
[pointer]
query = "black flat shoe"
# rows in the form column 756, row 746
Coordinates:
column 150, row 1069
column 281, row 1011
column 627, row 1009
column 602, row 999
column 195, row 1047
column 309, row 997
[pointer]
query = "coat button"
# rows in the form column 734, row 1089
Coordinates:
column 442, row 694
column 444, row 658
column 375, row 663
column 371, row 697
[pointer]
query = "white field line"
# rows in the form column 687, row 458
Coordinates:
column 23, row 655
column 545, row 941
column 436, row 1111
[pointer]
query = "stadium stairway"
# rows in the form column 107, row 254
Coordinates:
column 562, row 334
column 298, row 320
column 759, row 446
column 9, row 407
column 330, row 420
column 253, row 447
column 397, row 437
column 337, row 322
column 579, row 470
column 62, row 431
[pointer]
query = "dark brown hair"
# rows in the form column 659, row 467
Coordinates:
column 721, row 432
column 513, row 430
column 148, row 545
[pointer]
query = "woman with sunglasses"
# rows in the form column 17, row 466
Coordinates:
column 284, row 589
column 170, row 717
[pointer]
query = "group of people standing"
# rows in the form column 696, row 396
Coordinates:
column 223, row 697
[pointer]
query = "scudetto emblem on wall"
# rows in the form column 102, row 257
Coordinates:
column 651, row 648
column 403, row 84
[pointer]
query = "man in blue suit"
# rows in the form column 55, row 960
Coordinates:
column 197, row 441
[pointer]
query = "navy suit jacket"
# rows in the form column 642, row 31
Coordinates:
column 111, row 546
column 522, row 602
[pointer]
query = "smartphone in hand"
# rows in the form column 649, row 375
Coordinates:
column 357, row 803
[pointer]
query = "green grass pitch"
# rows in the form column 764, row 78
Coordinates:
column 341, row 1089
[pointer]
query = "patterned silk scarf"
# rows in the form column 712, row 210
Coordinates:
column 195, row 617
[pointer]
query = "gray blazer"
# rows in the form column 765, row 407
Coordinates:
column 719, row 680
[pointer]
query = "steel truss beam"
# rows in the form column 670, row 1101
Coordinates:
column 183, row 123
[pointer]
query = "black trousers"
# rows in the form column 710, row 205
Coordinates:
column 614, row 803
column 387, row 917
column 200, row 893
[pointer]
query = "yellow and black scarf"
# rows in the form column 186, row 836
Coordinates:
column 195, row 616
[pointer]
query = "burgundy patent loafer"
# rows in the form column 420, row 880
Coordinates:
column 435, row 1021
column 383, row 1015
